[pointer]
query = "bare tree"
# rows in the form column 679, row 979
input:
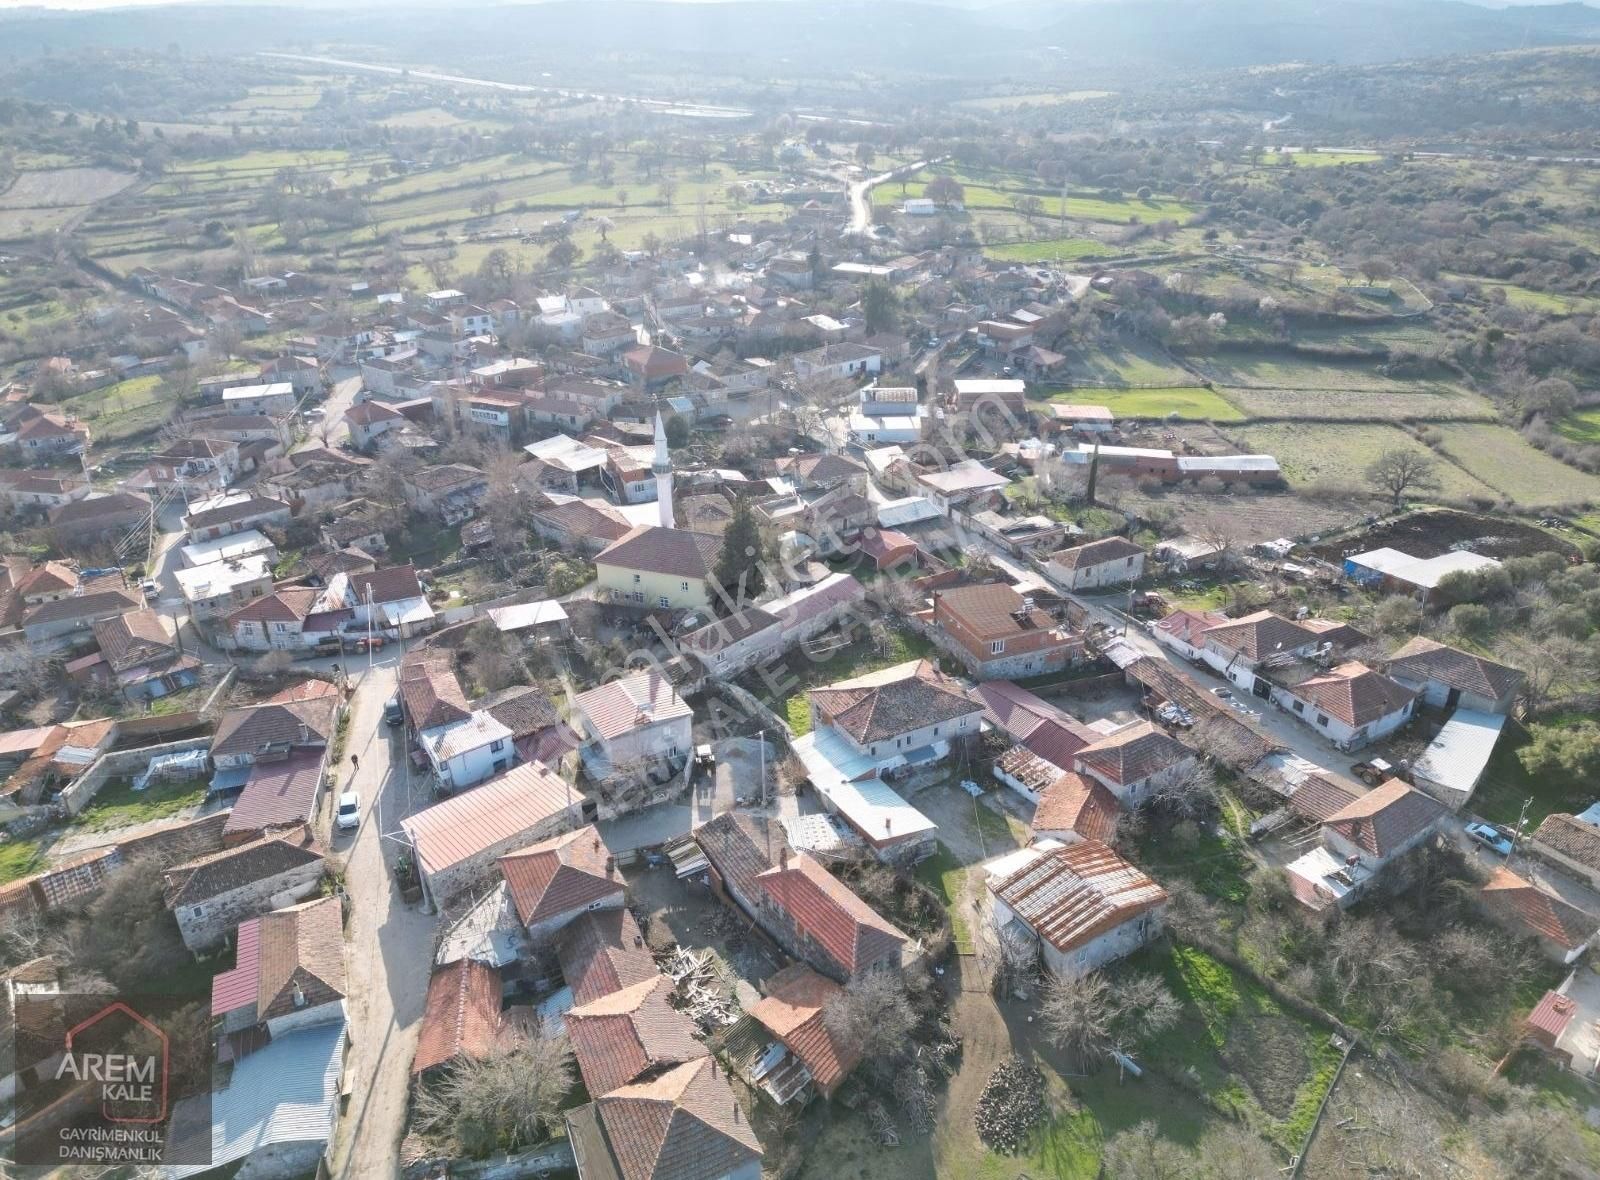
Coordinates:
column 1142, row 1153
column 507, row 1099
column 1404, row 470
column 1086, row 1016
column 874, row 1014
column 1189, row 794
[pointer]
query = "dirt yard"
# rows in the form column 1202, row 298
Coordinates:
column 1428, row 534
column 688, row 913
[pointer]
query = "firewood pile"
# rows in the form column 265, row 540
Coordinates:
column 943, row 1054
column 1010, row 1107
column 884, row 1130
column 911, row 1091
column 698, row 982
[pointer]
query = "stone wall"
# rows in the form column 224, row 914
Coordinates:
column 206, row 925
column 555, row 1156
column 121, row 764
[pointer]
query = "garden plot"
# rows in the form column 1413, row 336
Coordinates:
column 1338, row 455
column 1505, row 461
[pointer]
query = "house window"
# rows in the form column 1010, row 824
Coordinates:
column 996, row 646
column 281, row 628
column 199, row 912
column 684, row 586
column 1299, row 706
column 664, row 602
column 1322, row 719
column 635, row 579
column 874, row 751
column 935, row 731
column 496, row 746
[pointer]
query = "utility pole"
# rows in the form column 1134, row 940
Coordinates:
column 763, row 736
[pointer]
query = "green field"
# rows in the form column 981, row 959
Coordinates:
column 19, row 858
column 1581, row 426
column 1312, row 452
column 1186, row 401
column 1051, row 249
column 1315, row 159
column 118, row 805
column 999, row 192
column 1504, row 460
column 1127, row 364
column 1426, row 401
column 1287, row 371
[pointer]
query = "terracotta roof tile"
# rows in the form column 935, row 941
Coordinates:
column 1571, row 837
column 627, row 1033
column 875, row 708
column 1386, row 817
column 1074, row 803
column 461, row 1017
column 1133, row 754
column 302, row 958
column 1259, row 635
column 625, row 704
column 603, row 952
column 684, row 1125
column 1523, row 907
column 561, row 874
column 827, row 912
column 1425, row 659
column 1073, row 894
column 1094, row 553
column 677, row 553
column 793, row 1012
column 1355, row 694
column 221, row 872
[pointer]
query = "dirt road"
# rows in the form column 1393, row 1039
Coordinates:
column 390, row 946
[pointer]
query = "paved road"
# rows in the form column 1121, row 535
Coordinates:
column 330, row 425
column 861, row 194
column 390, row 944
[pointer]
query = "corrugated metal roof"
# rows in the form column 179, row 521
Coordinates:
column 236, row 988
column 463, row 826
column 287, row 1092
column 1457, row 756
column 832, row 766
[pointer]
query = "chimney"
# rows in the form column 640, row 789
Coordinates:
column 888, row 824
column 305, row 733
column 783, row 857
column 299, row 996
column 611, row 866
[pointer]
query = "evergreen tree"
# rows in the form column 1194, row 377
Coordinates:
column 738, row 569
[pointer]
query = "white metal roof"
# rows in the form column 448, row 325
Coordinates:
column 910, row 510
column 1456, row 758
column 1424, row 572
column 239, row 393
column 220, row 577
column 832, row 766
column 978, row 386
column 229, row 548
column 527, row 614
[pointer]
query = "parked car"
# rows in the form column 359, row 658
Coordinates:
column 391, row 712
column 1490, row 837
column 1222, row 694
column 151, row 589
column 348, row 816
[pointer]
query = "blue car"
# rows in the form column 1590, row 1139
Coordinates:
column 1490, row 837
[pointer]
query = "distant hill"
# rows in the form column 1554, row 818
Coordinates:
column 1105, row 37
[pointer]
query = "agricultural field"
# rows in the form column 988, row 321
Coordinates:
column 1505, row 461
column 47, row 199
column 1339, row 454
column 1127, row 364
column 1010, row 102
column 1051, row 249
column 1426, row 401
column 1581, row 426
column 1288, row 371
column 999, row 191
column 1186, row 401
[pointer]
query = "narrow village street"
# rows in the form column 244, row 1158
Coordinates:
column 391, row 944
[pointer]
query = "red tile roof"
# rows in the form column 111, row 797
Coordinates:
column 1425, row 659
column 625, row 1034
column 629, row 703
column 564, row 873
column 826, row 911
column 874, row 708
column 793, row 1012
column 1355, row 694
column 1525, row 908
column 1383, row 819
column 1571, row 838
column 1074, row 803
column 461, row 1017
column 1073, row 894
column 1551, row 1015
column 603, row 952
column 653, row 549
column 431, row 692
column 684, row 1125
column 1133, row 754
column 1095, row 553
column 1259, row 635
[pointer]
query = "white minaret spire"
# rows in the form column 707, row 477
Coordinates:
column 662, row 469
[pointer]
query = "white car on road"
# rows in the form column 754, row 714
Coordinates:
column 348, row 817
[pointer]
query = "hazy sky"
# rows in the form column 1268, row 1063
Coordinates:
column 90, row 4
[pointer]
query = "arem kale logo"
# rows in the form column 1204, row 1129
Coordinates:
column 111, row 1080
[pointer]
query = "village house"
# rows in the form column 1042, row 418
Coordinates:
column 222, row 516
column 1113, row 561
column 1349, row 704
column 800, row 905
column 1569, row 844
column 195, row 466
column 40, row 432
column 458, row 841
column 96, row 517
column 368, row 420
column 62, row 621
column 1360, row 839
column 288, row 973
column 561, row 878
column 601, row 952
column 451, row 491
column 1449, row 678
column 463, row 745
column 1081, row 419
column 1074, row 808
column 212, row 894
column 684, row 1124
column 793, row 1013
column 620, row 1037
column 1564, row 932
column 1135, row 763
column 633, row 725
column 141, row 656
column 998, row 633
column 219, row 588
column 41, row 491
column 1081, row 904
column 840, row 362
column 463, row 1017
column 660, row 568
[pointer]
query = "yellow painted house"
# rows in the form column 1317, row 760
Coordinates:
column 659, row 568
